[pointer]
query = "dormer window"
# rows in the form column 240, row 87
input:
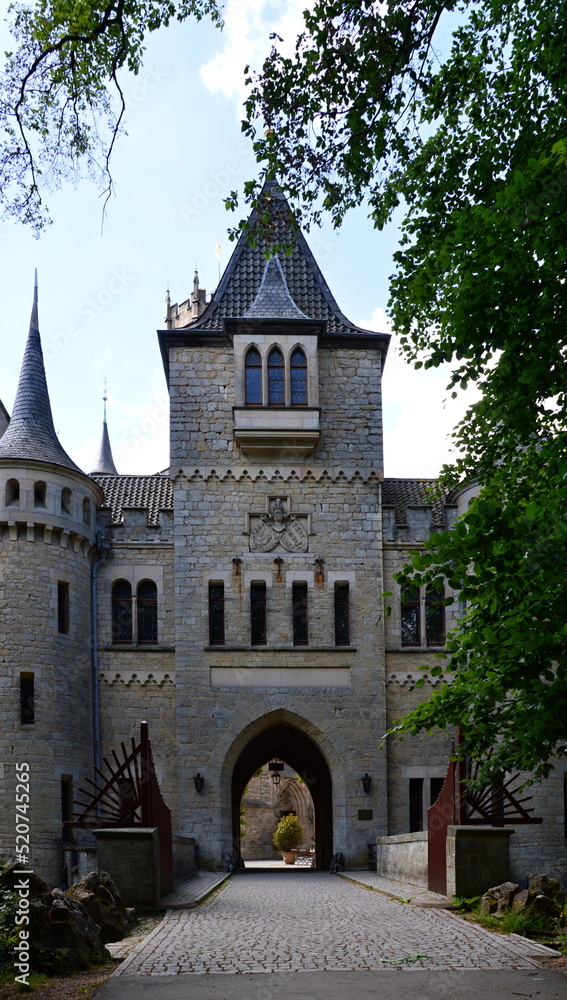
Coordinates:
column 253, row 365
column 276, row 378
column 298, row 370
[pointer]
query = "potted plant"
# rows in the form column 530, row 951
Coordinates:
column 287, row 837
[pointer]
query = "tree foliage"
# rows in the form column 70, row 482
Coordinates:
column 61, row 100
column 471, row 143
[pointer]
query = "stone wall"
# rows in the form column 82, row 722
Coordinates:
column 336, row 693
column 403, row 857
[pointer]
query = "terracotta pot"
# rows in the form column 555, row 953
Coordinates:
column 289, row 857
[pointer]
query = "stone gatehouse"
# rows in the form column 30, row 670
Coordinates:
column 234, row 601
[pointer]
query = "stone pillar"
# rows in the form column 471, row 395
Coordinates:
column 478, row 857
column 130, row 855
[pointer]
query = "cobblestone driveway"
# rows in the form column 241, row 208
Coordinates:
column 286, row 922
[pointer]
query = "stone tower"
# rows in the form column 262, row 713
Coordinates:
column 47, row 536
column 276, row 462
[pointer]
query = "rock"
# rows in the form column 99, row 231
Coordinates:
column 62, row 935
column 12, row 875
column 520, row 901
column 488, row 905
column 101, row 899
column 546, row 886
column 498, row 899
column 546, row 906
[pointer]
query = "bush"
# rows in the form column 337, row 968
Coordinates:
column 288, row 835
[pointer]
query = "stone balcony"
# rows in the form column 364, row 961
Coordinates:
column 276, row 432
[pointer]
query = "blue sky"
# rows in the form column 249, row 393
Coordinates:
column 102, row 286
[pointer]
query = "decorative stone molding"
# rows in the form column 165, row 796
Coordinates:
column 402, row 677
column 129, row 677
column 268, row 473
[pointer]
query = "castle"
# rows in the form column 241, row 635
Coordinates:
column 233, row 602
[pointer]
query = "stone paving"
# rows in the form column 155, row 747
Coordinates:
column 278, row 922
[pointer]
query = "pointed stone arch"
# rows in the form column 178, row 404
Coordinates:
column 294, row 739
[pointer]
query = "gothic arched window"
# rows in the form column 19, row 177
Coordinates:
column 434, row 616
column 122, row 613
column 276, row 378
column 298, row 369
column 253, row 376
column 147, row 613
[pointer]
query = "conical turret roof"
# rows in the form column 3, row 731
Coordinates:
column 30, row 433
column 240, row 288
column 104, row 465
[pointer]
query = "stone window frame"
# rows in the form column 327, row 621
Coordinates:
column 13, row 492
column 63, row 607
column 220, row 615
column 300, row 622
column 421, row 605
column 259, row 638
column 27, row 694
column 243, row 343
column 134, row 574
column 146, row 602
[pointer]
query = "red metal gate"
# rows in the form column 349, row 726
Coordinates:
column 439, row 816
column 129, row 795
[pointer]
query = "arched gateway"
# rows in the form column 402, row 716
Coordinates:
column 305, row 757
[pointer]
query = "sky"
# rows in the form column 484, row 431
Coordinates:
column 102, row 283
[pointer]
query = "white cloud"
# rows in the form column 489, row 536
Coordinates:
column 248, row 24
column 419, row 414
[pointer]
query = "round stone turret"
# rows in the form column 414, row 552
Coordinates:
column 47, row 546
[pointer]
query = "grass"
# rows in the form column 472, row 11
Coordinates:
column 536, row 926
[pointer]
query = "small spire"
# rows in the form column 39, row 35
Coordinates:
column 31, row 433
column 104, row 465
column 196, row 279
column 273, row 300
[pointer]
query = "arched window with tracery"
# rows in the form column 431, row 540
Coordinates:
column 122, row 613
column 298, row 372
column 253, row 377
column 276, row 378
column 147, row 613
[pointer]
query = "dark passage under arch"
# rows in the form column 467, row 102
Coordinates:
column 303, row 755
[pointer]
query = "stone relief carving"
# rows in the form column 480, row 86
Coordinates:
column 278, row 527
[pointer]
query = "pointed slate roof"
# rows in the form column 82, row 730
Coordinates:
column 30, row 433
column 273, row 299
column 240, row 284
column 104, row 465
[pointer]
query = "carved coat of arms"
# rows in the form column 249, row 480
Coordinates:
column 278, row 527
